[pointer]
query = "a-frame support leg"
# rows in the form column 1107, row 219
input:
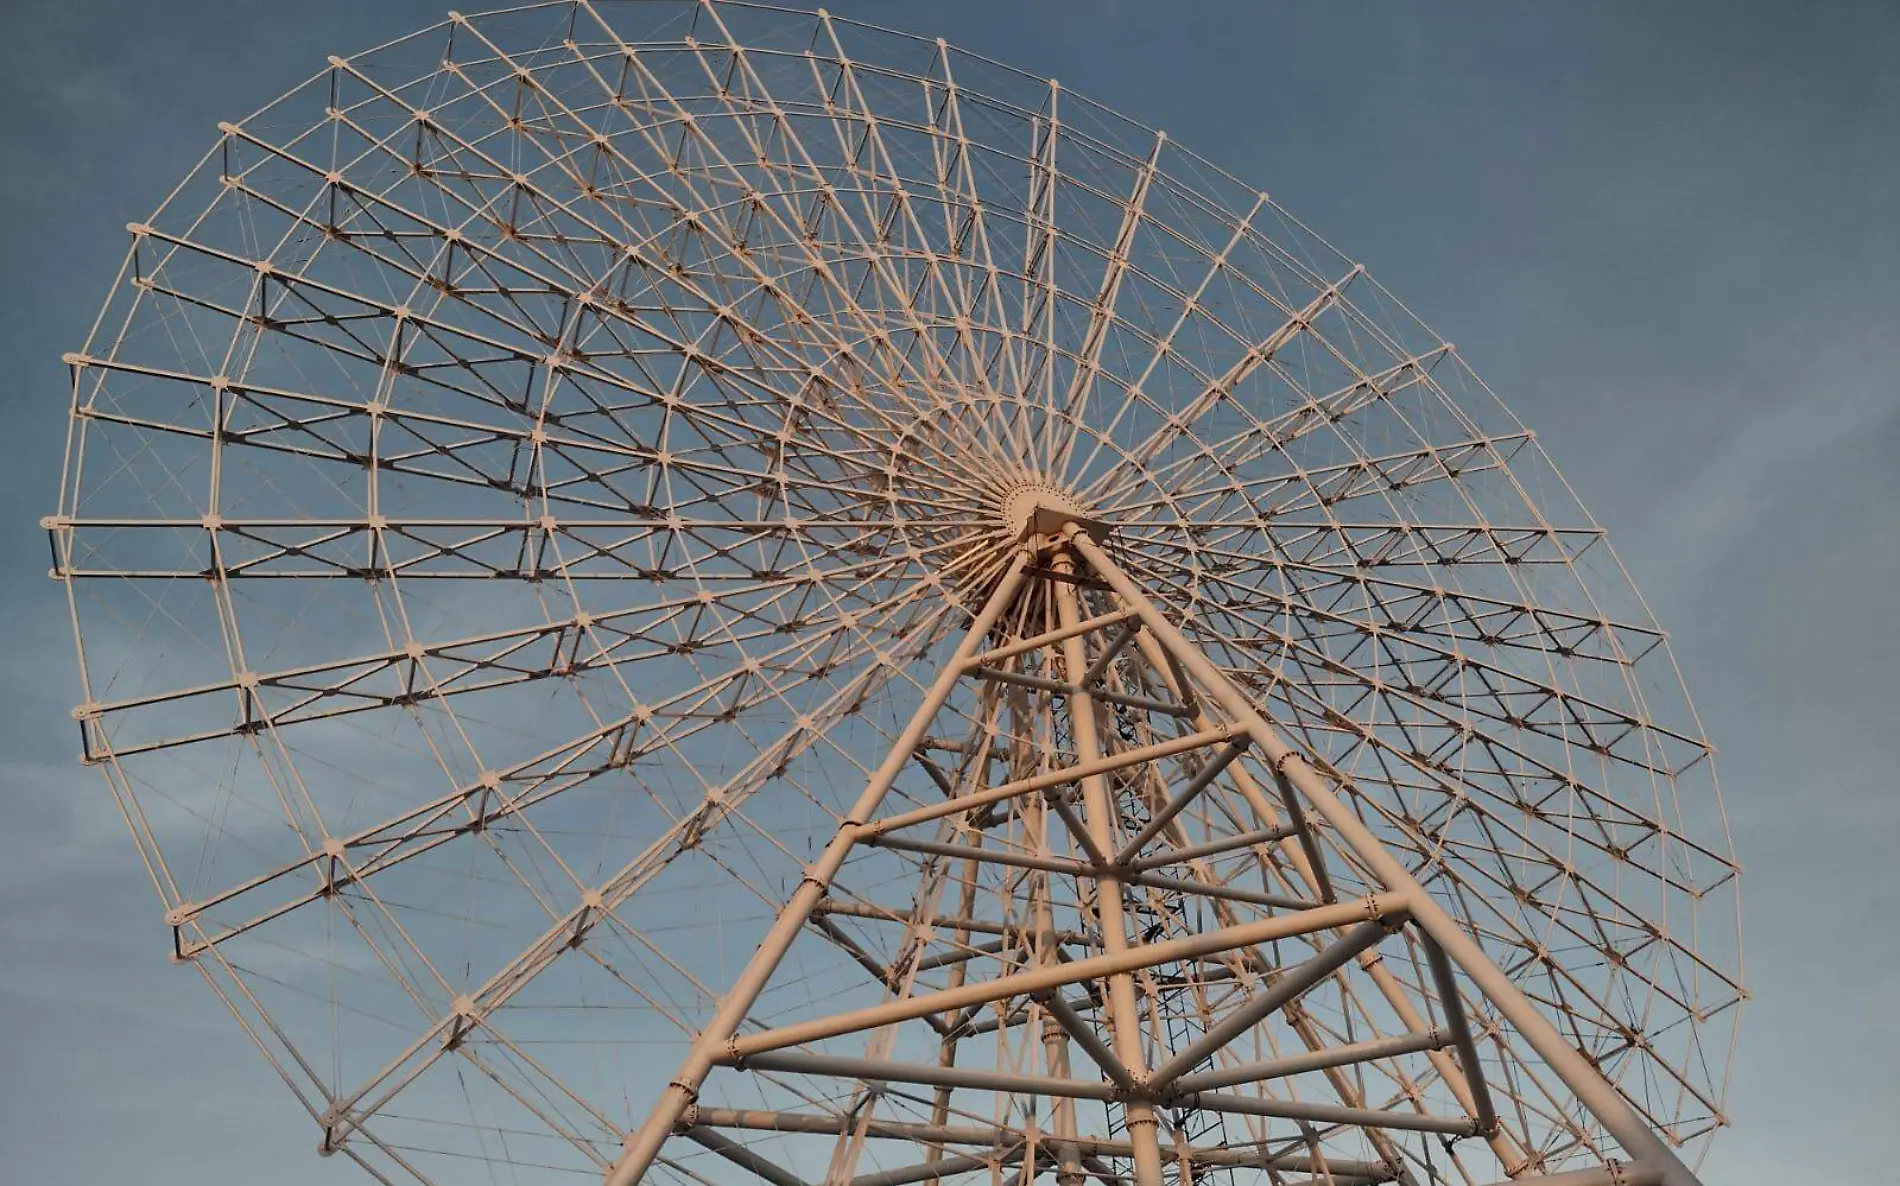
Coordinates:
column 643, row 1145
column 1591, row 1089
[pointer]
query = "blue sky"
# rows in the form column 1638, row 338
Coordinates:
column 1664, row 234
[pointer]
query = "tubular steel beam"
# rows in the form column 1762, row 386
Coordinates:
column 1313, row 1060
column 1454, row 1006
column 1213, row 848
column 1203, row 778
column 1040, row 980
column 1078, row 1028
column 743, row 1157
column 1592, row 1090
column 1250, row 1105
column 1048, row 638
column 1042, row 782
column 1227, row 1156
column 1272, row 997
column 960, row 1164
column 877, row 1070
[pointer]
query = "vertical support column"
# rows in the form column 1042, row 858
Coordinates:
column 1099, row 815
column 644, row 1145
column 1592, row 1090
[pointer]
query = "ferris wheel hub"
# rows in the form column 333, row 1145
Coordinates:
column 1041, row 508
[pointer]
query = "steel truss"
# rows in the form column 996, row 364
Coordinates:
column 1007, row 828
column 695, row 591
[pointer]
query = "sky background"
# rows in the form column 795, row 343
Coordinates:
column 1665, row 234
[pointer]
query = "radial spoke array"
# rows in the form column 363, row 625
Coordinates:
column 532, row 478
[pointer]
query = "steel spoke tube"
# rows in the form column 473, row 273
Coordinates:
column 1209, row 771
column 1312, row 1060
column 1078, row 1028
column 1213, row 848
column 874, row 1070
column 1271, row 998
column 643, row 1145
column 1053, row 778
column 1592, row 1090
column 1042, row 979
column 1460, row 1028
column 1253, row 1105
column 743, row 1157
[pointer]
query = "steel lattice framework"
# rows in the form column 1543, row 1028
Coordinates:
column 707, row 592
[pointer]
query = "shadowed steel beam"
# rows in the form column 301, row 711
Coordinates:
column 743, row 1157
column 1455, row 1021
column 766, row 1120
column 1209, row 771
column 1039, row 641
column 1271, row 998
column 1314, row 1060
column 1108, row 655
column 1213, row 848
column 1043, row 684
column 963, row 1163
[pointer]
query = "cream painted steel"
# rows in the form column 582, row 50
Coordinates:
column 691, row 592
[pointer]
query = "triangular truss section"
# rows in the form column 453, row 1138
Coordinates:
column 1133, row 936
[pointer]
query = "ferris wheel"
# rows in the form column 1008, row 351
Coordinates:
column 698, row 592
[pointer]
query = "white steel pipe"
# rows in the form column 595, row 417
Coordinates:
column 1037, row 642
